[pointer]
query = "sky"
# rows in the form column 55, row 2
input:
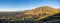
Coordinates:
column 20, row 5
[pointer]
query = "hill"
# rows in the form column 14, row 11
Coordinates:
column 42, row 12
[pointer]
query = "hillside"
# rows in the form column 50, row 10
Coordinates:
column 42, row 12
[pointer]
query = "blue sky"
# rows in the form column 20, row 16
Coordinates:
column 27, row 4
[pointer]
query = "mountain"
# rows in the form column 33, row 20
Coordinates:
column 42, row 12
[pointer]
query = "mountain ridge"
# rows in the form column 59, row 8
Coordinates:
column 41, row 12
column 41, row 9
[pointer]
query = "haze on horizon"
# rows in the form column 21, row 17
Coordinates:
column 20, row 5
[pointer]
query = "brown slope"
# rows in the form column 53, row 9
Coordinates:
column 58, row 10
column 41, row 10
